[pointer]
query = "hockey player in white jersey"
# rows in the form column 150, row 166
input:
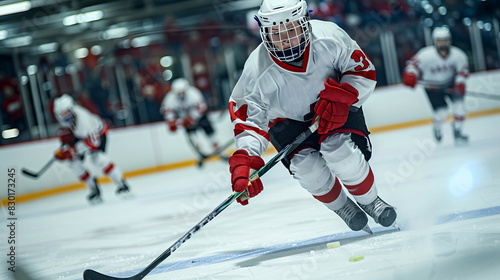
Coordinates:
column 85, row 134
column 305, row 69
column 185, row 106
column 443, row 70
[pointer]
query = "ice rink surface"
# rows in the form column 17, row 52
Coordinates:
column 447, row 198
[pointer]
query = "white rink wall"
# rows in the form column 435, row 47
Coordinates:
column 146, row 146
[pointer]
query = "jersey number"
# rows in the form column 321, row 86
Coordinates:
column 359, row 56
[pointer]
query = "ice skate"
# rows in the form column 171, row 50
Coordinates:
column 353, row 216
column 95, row 195
column 123, row 190
column 437, row 134
column 460, row 139
column 381, row 212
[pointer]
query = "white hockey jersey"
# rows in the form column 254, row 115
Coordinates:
column 438, row 72
column 86, row 127
column 176, row 107
column 269, row 89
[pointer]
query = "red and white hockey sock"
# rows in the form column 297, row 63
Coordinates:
column 335, row 198
column 88, row 180
column 439, row 117
column 115, row 173
column 108, row 167
column 364, row 191
column 309, row 168
column 458, row 122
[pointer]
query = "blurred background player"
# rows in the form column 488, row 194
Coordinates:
column 85, row 133
column 185, row 106
column 443, row 70
column 67, row 153
column 276, row 99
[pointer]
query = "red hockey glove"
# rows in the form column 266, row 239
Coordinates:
column 188, row 122
column 460, row 89
column 65, row 153
column 410, row 79
column 333, row 105
column 172, row 126
column 240, row 166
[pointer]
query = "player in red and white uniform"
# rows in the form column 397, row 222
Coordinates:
column 185, row 106
column 85, row 133
column 305, row 69
column 443, row 70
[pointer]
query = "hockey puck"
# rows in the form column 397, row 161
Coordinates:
column 356, row 258
column 333, row 245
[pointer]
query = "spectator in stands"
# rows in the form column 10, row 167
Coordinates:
column 12, row 106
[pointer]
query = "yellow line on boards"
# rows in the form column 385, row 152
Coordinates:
column 141, row 172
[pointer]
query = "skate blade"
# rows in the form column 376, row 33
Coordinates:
column 461, row 144
column 125, row 195
column 95, row 201
column 396, row 225
column 367, row 229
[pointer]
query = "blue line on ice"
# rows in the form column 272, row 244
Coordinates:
column 467, row 215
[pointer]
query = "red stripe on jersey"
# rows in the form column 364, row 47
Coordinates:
column 332, row 195
column 292, row 68
column 363, row 187
column 239, row 128
column 275, row 121
column 201, row 109
column 370, row 74
column 459, row 118
column 89, row 143
column 108, row 168
column 104, row 129
column 241, row 113
column 85, row 176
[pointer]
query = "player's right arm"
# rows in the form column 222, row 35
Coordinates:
column 412, row 71
column 67, row 150
column 248, row 116
column 462, row 68
column 167, row 110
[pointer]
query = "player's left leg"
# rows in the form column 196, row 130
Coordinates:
column 101, row 160
column 459, row 112
column 309, row 168
column 76, row 166
column 439, row 111
column 348, row 163
column 205, row 124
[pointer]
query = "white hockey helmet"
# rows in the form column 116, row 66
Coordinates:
column 62, row 108
column 180, row 85
column 284, row 28
column 441, row 33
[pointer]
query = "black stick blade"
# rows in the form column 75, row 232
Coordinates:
column 29, row 173
column 90, row 274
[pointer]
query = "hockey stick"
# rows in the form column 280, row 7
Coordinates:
column 90, row 274
column 35, row 174
column 483, row 95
